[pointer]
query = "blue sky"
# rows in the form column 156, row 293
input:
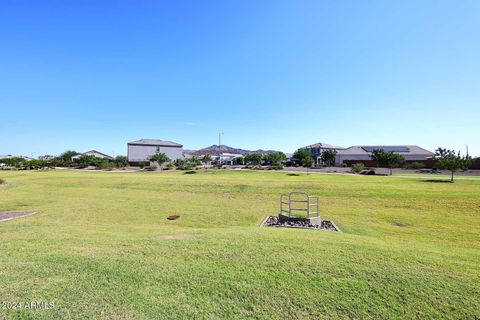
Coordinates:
column 270, row 74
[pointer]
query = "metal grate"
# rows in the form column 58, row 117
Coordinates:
column 299, row 202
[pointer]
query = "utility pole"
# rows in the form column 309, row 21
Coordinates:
column 219, row 149
column 466, row 146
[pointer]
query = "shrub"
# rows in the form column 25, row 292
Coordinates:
column 151, row 168
column 276, row 166
column 415, row 165
column 106, row 165
column 358, row 167
column 185, row 166
column 2, row 181
column 169, row 166
column 121, row 161
column 239, row 161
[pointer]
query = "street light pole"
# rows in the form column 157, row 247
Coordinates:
column 219, row 149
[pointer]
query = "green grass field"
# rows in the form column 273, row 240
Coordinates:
column 100, row 247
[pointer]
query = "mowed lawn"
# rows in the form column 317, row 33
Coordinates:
column 100, row 247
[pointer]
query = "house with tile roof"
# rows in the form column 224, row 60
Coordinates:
column 353, row 154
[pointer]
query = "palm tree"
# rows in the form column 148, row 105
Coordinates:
column 206, row 159
column 160, row 158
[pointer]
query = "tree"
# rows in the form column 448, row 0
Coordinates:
column 275, row 158
column 67, row 155
column 195, row 161
column 254, row 158
column 206, row 159
column 121, row 161
column 449, row 160
column 89, row 160
column 388, row 159
column 160, row 158
column 304, row 158
column 35, row 164
column 239, row 161
column 17, row 162
column 328, row 157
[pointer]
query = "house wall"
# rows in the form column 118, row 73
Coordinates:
column 138, row 153
column 317, row 152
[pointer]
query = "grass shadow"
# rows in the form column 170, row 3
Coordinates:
column 293, row 174
column 437, row 181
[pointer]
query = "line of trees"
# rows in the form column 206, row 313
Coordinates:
column 445, row 160
column 191, row 163
column 274, row 160
column 65, row 160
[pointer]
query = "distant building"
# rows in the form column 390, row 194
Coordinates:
column 142, row 150
column 355, row 154
column 9, row 156
column 411, row 153
column 227, row 158
column 46, row 157
column 318, row 148
column 94, row 153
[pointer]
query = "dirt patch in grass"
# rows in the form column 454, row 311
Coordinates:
column 176, row 236
column 400, row 224
column 4, row 216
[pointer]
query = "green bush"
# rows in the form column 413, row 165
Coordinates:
column 106, row 165
column 415, row 165
column 276, row 166
column 358, row 167
column 121, row 161
column 170, row 166
column 185, row 166
column 2, row 181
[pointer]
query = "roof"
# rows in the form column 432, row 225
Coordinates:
column 155, row 142
column 95, row 151
column 406, row 149
column 8, row 156
column 92, row 151
column 323, row 145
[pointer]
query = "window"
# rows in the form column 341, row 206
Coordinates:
column 158, row 149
